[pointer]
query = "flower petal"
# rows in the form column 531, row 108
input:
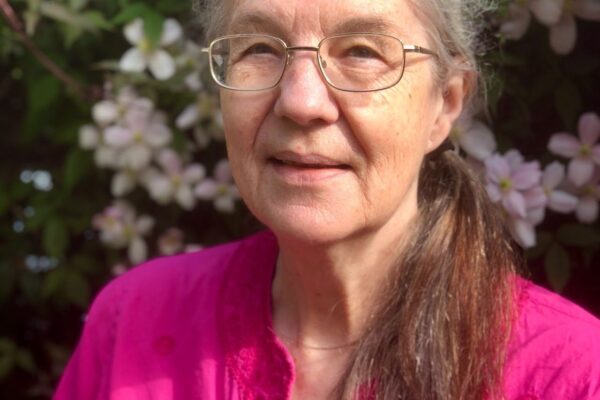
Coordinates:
column 564, row 144
column 517, row 23
column 185, row 197
column 496, row 168
column 137, row 251
column 493, row 192
column 563, row 35
column 194, row 173
column 188, row 117
column 122, row 183
column 225, row 204
column 117, row 136
column 478, row 141
column 136, row 157
column 527, row 175
column 536, row 215
column 222, row 171
column 587, row 209
column 562, row 202
column 158, row 135
column 133, row 61
column 105, row 112
column 161, row 65
column 514, row 203
column 134, row 31
column 523, row 232
column 587, row 9
column 580, row 170
column 89, row 137
column 171, row 32
column 589, row 128
column 554, row 174
column 548, row 12
column 206, row 190
column 535, row 198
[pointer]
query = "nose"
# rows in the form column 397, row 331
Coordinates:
column 304, row 96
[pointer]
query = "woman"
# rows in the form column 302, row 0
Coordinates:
column 388, row 274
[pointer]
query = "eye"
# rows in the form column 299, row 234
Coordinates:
column 260, row 48
column 361, row 52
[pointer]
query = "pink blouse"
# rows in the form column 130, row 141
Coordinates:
column 198, row 326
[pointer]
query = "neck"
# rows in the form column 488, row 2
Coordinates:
column 323, row 295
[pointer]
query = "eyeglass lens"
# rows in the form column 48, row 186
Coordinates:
column 359, row 62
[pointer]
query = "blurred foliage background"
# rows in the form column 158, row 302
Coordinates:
column 62, row 237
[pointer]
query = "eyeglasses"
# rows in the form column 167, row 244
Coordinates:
column 353, row 62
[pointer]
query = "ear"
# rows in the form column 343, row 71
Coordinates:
column 450, row 105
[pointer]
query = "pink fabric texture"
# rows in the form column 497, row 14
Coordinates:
column 198, row 326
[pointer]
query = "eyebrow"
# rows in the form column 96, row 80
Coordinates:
column 260, row 21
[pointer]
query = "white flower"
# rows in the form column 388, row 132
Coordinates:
column 145, row 55
column 89, row 137
column 176, row 180
column 474, row 137
column 170, row 242
column 138, row 137
column 221, row 189
column 120, row 227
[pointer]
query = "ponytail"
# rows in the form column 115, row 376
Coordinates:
column 443, row 323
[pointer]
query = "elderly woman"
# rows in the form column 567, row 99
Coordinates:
column 385, row 272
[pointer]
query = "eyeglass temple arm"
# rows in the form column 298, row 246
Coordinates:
column 411, row 48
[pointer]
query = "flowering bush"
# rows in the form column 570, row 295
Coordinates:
column 113, row 150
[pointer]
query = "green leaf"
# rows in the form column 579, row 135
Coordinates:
column 53, row 282
column 568, row 103
column 557, row 266
column 578, row 235
column 24, row 359
column 544, row 239
column 129, row 13
column 4, row 199
column 55, row 237
column 78, row 164
column 78, row 4
column 98, row 19
column 153, row 26
column 77, row 289
column 7, row 357
column 63, row 14
column 43, row 91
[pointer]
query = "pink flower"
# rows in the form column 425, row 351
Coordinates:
column 584, row 152
column 558, row 200
column 516, row 185
column 586, row 210
column 221, row 190
column 474, row 137
column 175, row 182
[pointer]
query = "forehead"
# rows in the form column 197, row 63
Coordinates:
column 323, row 17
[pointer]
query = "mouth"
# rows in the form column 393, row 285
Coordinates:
column 311, row 161
column 301, row 170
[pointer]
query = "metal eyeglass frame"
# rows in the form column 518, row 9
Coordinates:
column 407, row 48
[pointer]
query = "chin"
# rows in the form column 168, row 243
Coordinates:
column 307, row 225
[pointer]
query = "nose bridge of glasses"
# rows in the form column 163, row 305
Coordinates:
column 291, row 51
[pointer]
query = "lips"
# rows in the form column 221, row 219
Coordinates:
column 307, row 161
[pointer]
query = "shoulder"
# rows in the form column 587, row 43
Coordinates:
column 555, row 347
column 192, row 277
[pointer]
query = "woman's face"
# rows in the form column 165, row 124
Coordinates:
column 319, row 164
